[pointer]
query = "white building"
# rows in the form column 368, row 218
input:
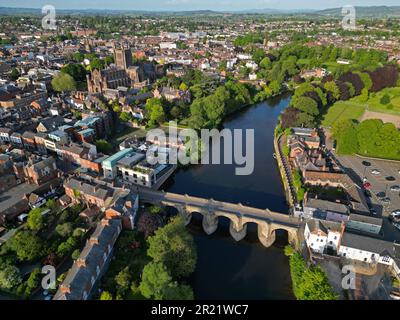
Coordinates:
column 323, row 236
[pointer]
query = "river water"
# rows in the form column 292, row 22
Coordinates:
column 227, row 269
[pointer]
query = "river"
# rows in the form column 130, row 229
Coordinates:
column 240, row 270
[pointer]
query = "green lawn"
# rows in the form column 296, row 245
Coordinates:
column 374, row 101
column 343, row 110
column 355, row 108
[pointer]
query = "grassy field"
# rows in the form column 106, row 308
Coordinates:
column 355, row 108
column 374, row 102
column 342, row 110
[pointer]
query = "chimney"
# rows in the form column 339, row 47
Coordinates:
column 94, row 240
column 81, row 263
column 65, row 289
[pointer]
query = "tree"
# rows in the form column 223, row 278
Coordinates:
column 9, row 277
column 96, row 63
column 307, row 105
column 78, row 57
column 385, row 99
column 148, row 223
column 35, row 219
column 125, row 117
column 33, row 281
column 155, row 111
column 75, row 254
column 65, row 229
column 173, row 246
column 104, row 146
column 155, row 278
column 63, row 82
column 27, row 245
column 76, row 71
column 265, row 63
column 331, row 87
column 105, row 295
column 14, row 74
column 123, row 280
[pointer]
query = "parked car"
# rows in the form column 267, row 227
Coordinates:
column 366, row 163
column 375, row 172
column 386, row 200
column 381, row 194
column 397, row 226
column 395, row 213
column 390, row 178
column 367, row 185
column 395, row 188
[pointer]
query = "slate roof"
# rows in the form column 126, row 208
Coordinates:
column 79, row 277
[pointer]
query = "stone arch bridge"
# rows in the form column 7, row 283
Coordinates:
column 239, row 215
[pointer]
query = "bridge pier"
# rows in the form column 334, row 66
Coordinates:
column 210, row 223
column 237, row 232
column 266, row 237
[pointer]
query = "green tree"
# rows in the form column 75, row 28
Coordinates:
column 75, row 254
column 104, row 146
column 9, row 277
column 76, row 71
column 158, row 284
column 125, row 117
column 35, row 219
column 155, row 112
column 332, row 87
column 14, row 74
column 65, row 229
column 63, row 82
column 307, row 105
column 27, row 245
column 123, row 280
column 265, row 63
column 385, row 99
column 173, row 246
column 105, row 295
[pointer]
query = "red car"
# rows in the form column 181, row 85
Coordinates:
column 367, row 185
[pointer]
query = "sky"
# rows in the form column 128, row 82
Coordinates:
column 157, row 5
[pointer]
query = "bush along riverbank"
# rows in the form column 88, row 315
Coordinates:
column 309, row 282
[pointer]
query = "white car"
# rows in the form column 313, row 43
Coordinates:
column 375, row 172
column 395, row 213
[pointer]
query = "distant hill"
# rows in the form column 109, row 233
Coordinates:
column 374, row 11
